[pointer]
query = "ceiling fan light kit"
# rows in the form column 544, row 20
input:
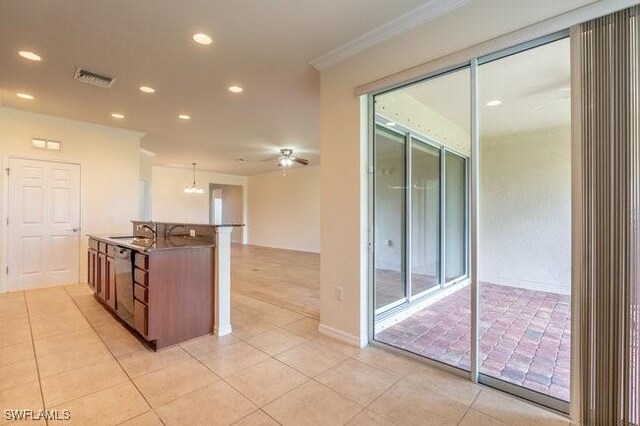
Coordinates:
column 193, row 188
column 287, row 159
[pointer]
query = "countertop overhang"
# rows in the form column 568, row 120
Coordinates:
column 173, row 242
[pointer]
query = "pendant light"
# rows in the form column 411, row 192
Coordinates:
column 193, row 188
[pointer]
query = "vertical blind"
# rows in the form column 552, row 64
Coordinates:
column 610, row 163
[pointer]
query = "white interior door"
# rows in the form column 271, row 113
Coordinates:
column 44, row 223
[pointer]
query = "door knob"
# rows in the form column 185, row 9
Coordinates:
column 75, row 229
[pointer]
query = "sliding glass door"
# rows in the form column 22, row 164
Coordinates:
column 420, row 153
column 423, row 192
column 425, row 217
column 455, row 212
column 524, row 253
column 390, row 196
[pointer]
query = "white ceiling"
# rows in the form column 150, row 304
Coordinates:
column 262, row 45
column 528, row 84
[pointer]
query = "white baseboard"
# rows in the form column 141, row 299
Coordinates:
column 340, row 335
column 222, row 331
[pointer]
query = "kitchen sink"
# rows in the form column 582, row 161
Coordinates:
column 140, row 241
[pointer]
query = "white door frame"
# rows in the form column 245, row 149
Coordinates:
column 4, row 213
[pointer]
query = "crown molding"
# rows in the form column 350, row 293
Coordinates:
column 410, row 20
column 147, row 152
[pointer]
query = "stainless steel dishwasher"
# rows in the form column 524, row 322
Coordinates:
column 123, row 259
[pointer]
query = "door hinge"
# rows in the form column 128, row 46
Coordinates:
column 7, row 220
column 370, row 169
column 8, row 171
column 7, row 270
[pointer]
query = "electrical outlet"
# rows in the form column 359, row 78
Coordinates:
column 192, row 232
column 339, row 293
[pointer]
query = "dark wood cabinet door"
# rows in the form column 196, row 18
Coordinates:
column 140, row 317
column 92, row 271
column 111, row 283
column 90, row 280
column 101, row 277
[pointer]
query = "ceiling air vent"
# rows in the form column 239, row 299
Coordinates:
column 94, row 79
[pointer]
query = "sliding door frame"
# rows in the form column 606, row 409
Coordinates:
column 520, row 391
column 406, row 228
column 411, row 137
column 473, row 174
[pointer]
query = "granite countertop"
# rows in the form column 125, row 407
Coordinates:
column 174, row 242
column 209, row 225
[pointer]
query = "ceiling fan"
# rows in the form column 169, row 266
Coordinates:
column 286, row 158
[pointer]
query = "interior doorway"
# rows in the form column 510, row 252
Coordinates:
column 43, row 223
column 226, row 205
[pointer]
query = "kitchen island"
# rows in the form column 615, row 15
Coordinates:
column 169, row 282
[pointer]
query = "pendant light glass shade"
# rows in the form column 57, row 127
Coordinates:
column 193, row 188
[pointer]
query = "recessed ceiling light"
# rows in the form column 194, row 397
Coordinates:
column 27, row 54
column 147, row 89
column 184, row 117
column 235, row 89
column 391, row 123
column 202, row 38
column 117, row 115
column 25, row 96
column 494, row 102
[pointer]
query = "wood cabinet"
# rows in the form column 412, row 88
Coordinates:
column 101, row 272
column 171, row 299
column 92, row 270
column 141, row 317
column 141, row 293
column 102, row 287
column 92, row 261
column 111, row 282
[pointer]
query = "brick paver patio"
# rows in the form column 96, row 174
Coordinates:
column 524, row 335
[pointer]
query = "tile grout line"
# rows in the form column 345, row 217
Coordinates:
column 223, row 379
column 117, row 361
column 35, row 358
column 259, row 408
column 14, row 362
column 304, row 314
column 252, row 413
column 229, row 384
column 190, row 355
column 469, row 407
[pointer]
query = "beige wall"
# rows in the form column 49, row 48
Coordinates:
column 525, row 210
column 170, row 204
column 284, row 211
column 109, row 161
column 146, row 165
column 232, row 207
column 344, row 144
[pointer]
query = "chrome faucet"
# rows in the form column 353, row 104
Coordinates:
column 154, row 229
column 168, row 231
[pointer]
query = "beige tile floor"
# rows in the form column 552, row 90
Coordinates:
column 60, row 349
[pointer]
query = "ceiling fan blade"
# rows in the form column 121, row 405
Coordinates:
column 302, row 161
column 269, row 159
